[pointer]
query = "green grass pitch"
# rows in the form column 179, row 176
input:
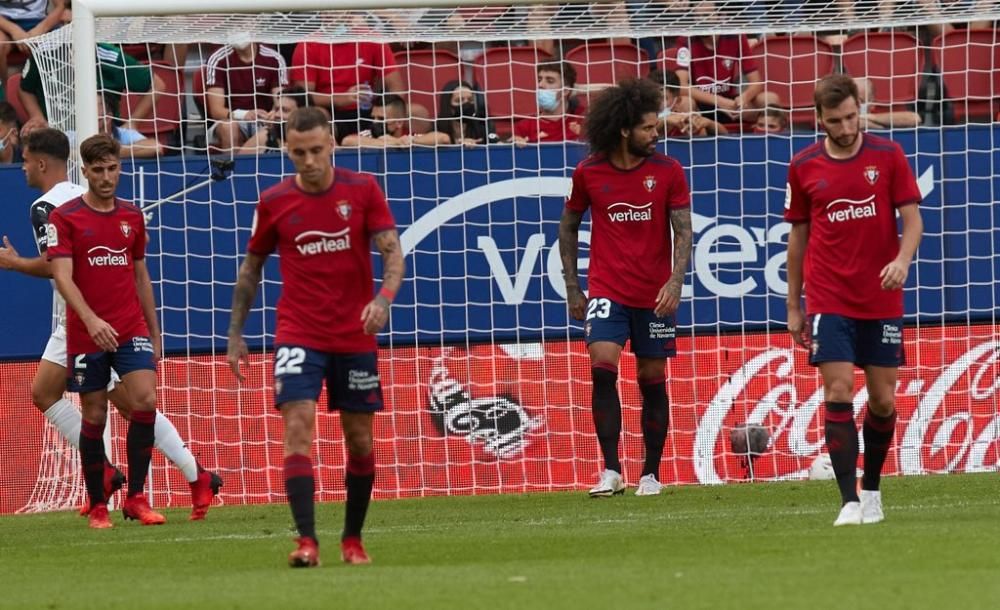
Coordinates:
column 736, row 546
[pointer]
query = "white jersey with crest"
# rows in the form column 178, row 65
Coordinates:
column 40, row 209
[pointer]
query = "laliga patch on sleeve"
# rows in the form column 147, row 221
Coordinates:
column 51, row 235
column 683, row 57
column 788, row 196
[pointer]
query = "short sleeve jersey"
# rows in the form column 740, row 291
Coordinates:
column 117, row 73
column 247, row 86
column 850, row 205
column 336, row 67
column 104, row 247
column 716, row 70
column 630, row 245
column 544, row 129
column 24, row 9
column 39, row 215
column 323, row 240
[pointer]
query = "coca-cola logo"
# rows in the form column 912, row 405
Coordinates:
column 951, row 424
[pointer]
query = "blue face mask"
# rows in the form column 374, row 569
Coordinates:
column 3, row 140
column 548, row 99
column 665, row 112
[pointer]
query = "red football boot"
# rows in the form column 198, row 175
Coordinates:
column 137, row 507
column 307, row 555
column 352, row 551
column 113, row 481
column 98, row 517
column 202, row 492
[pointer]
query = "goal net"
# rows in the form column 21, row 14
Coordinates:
column 486, row 378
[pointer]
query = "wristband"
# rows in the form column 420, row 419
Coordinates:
column 387, row 294
column 239, row 115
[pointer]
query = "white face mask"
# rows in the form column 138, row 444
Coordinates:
column 548, row 99
column 5, row 138
column 863, row 108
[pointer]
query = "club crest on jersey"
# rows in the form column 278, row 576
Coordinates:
column 344, row 209
column 126, row 228
column 80, row 377
column 650, row 183
column 871, row 174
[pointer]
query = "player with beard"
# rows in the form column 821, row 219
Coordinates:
column 636, row 196
column 843, row 196
column 96, row 246
column 322, row 222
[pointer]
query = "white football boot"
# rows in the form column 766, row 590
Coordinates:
column 850, row 514
column 649, row 486
column 871, row 506
column 611, row 484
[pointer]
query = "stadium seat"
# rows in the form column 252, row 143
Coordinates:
column 790, row 67
column 969, row 62
column 198, row 91
column 167, row 108
column 508, row 78
column 425, row 72
column 892, row 61
column 667, row 60
column 13, row 89
column 606, row 63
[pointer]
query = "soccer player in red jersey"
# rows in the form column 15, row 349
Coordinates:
column 843, row 196
column 46, row 152
column 322, row 222
column 635, row 196
column 97, row 246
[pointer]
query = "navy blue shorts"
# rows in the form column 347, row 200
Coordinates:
column 92, row 372
column 863, row 342
column 652, row 337
column 352, row 382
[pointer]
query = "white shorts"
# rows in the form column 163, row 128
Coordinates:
column 55, row 352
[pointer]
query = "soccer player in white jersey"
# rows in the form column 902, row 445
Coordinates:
column 46, row 152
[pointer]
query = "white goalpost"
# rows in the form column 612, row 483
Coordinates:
column 486, row 378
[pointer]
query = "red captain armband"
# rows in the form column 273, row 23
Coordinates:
column 387, row 294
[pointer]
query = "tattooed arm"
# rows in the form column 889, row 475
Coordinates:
column 670, row 294
column 569, row 250
column 376, row 313
column 243, row 296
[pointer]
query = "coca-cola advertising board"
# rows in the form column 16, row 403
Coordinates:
column 495, row 418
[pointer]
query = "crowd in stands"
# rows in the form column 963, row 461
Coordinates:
column 233, row 98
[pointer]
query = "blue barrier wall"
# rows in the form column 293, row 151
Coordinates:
column 480, row 227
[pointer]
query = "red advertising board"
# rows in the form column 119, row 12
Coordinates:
column 492, row 418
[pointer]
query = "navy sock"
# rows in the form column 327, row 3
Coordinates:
column 878, row 433
column 139, row 448
column 92, row 460
column 842, row 443
column 607, row 412
column 655, row 421
column 300, row 486
column 359, row 478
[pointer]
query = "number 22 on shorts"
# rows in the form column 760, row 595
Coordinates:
column 288, row 361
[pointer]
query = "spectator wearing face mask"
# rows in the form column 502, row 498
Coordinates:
column 677, row 119
column 557, row 119
column 462, row 115
column 389, row 128
column 10, row 149
column 874, row 116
